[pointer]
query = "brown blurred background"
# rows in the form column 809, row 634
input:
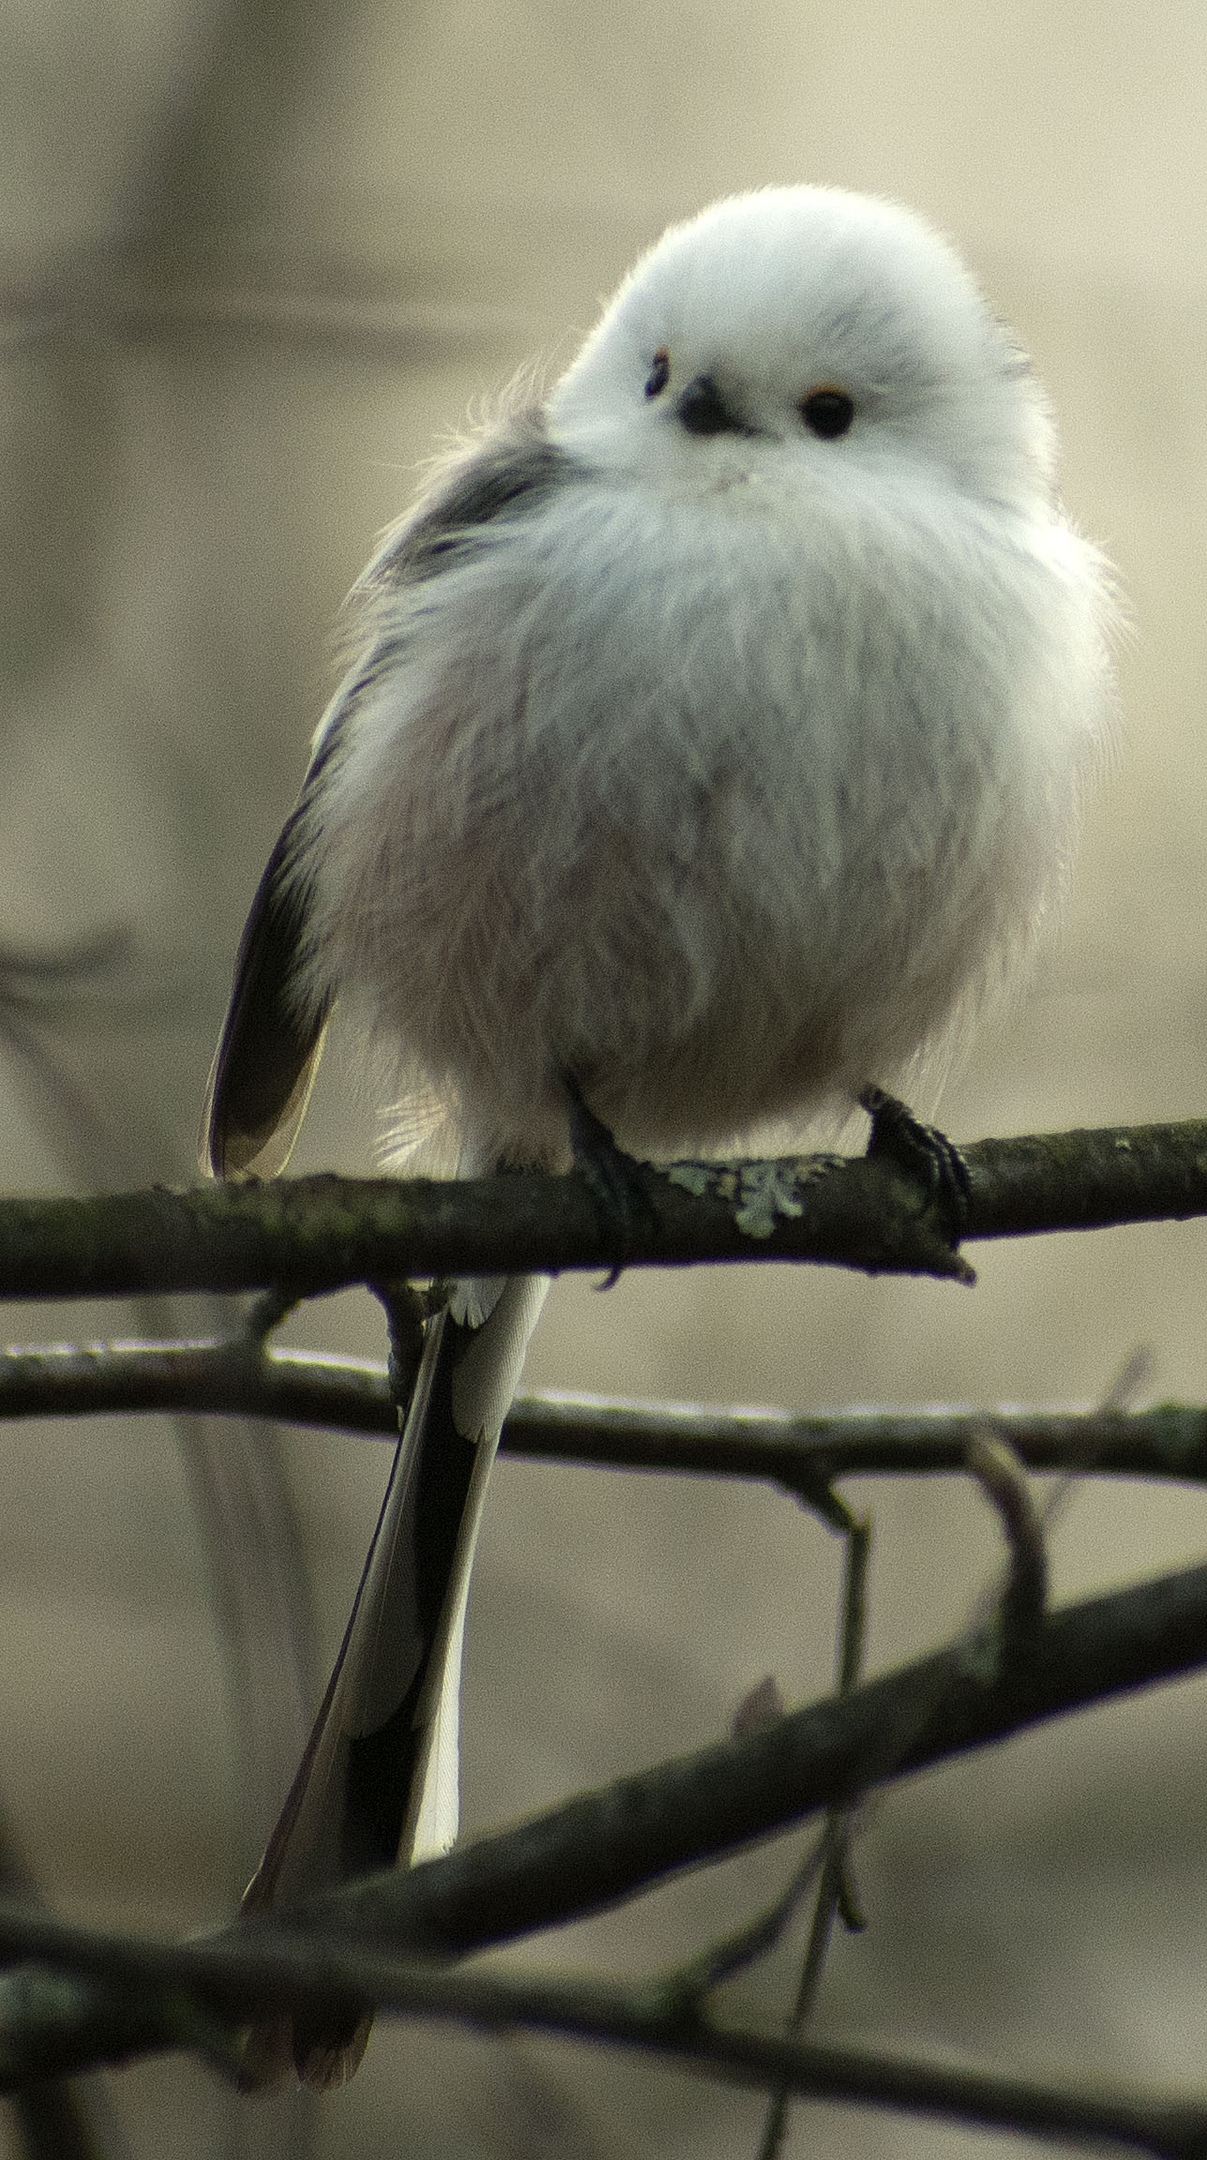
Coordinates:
column 254, row 260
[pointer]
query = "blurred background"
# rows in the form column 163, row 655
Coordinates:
column 256, row 260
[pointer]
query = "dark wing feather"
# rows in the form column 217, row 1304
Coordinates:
column 508, row 474
column 265, row 1063
column 269, row 1049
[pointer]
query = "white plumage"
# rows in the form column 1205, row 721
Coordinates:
column 713, row 732
column 716, row 768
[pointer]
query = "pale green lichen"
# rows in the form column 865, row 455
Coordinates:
column 760, row 1193
column 694, row 1177
column 766, row 1191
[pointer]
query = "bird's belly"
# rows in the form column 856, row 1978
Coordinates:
column 752, row 970
column 720, row 862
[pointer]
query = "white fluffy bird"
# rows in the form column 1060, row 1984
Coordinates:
column 715, row 729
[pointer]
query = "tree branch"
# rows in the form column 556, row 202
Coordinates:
column 297, row 1238
column 323, row 1233
column 804, row 1454
column 602, row 1847
column 598, row 1849
column 271, row 1966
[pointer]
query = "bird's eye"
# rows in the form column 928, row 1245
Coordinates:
column 827, row 412
column 660, row 373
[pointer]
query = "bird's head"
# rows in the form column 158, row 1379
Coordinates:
column 801, row 333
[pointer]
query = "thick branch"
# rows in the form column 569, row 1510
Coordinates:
column 271, row 1967
column 602, row 1847
column 322, row 1233
column 802, row 1453
column 598, row 1849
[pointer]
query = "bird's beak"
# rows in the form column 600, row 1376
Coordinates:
column 702, row 410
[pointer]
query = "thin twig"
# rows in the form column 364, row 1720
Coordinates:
column 802, row 1453
column 1020, row 1611
column 724, row 1959
column 270, row 1966
column 52, row 2120
column 834, row 1896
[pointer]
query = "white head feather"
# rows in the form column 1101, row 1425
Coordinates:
column 776, row 293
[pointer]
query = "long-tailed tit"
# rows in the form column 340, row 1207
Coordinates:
column 715, row 728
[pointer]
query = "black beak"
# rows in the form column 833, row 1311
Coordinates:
column 703, row 411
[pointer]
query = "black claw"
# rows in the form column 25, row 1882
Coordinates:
column 613, row 1179
column 922, row 1150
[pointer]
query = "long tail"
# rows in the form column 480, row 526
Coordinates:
column 378, row 1782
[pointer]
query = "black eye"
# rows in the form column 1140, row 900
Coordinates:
column 660, row 373
column 827, row 412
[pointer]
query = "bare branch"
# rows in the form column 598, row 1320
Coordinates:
column 835, row 1898
column 51, row 2117
column 599, row 1848
column 807, row 1453
column 689, row 1982
column 804, row 1454
column 1002, row 1477
column 294, row 1239
column 270, row 1965
column 324, row 1233
column 602, row 1847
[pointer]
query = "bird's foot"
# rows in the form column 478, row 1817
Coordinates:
column 924, row 1152
column 614, row 1180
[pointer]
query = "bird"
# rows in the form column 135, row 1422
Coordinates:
column 712, row 741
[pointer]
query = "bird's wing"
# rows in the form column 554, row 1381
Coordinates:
column 270, row 1045
column 271, row 1041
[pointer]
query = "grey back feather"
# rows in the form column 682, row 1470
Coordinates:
column 272, row 1039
